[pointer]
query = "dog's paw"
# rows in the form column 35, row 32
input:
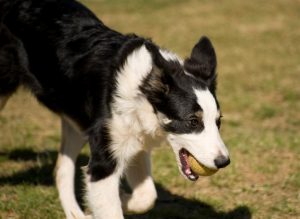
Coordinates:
column 88, row 217
column 137, row 203
column 82, row 217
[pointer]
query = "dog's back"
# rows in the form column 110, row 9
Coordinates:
column 60, row 51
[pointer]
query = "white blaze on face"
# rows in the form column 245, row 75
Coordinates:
column 207, row 145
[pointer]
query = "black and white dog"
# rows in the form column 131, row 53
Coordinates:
column 116, row 92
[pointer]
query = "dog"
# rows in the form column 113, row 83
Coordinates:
column 114, row 91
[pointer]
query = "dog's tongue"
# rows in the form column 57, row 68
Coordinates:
column 186, row 167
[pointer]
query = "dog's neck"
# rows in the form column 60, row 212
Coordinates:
column 132, row 114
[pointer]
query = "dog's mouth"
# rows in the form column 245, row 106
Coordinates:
column 191, row 167
column 185, row 166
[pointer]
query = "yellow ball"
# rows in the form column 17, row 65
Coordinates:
column 199, row 168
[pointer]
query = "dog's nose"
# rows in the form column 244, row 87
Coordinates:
column 222, row 161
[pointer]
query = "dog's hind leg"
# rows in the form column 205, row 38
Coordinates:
column 72, row 142
column 139, row 178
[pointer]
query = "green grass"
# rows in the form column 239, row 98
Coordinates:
column 257, row 44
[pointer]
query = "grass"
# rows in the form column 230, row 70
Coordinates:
column 257, row 44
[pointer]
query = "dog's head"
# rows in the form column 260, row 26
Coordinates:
column 184, row 99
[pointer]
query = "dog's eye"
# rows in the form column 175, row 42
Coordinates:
column 194, row 122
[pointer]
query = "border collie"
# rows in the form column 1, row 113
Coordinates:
column 115, row 92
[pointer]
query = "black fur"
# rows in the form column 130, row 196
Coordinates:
column 203, row 62
column 99, row 165
column 171, row 91
column 12, row 62
column 68, row 59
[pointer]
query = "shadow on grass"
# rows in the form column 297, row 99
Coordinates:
column 40, row 172
column 168, row 205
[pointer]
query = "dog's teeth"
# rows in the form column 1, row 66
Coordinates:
column 192, row 177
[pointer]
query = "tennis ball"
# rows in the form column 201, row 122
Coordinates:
column 199, row 168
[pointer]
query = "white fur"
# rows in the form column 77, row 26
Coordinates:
column 132, row 115
column 163, row 118
column 142, row 199
column 72, row 142
column 132, row 118
column 139, row 178
column 207, row 145
column 136, row 68
column 103, row 197
column 170, row 56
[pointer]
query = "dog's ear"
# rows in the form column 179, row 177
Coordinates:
column 203, row 62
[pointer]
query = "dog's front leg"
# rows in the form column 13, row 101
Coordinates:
column 103, row 176
column 103, row 197
column 138, row 175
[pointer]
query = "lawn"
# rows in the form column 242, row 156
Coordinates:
column 258, row 49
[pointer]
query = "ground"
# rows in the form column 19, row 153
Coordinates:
column 257, row 44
